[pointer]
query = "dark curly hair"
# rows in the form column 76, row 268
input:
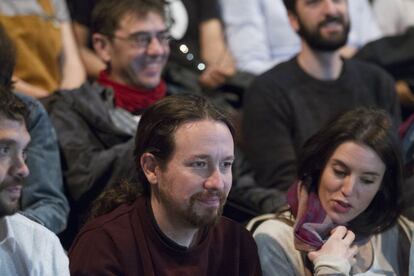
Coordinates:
column 11, row 107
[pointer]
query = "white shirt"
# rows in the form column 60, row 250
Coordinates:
column 28, row 248
column 394, row 16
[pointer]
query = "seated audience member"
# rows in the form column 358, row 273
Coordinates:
column 292, row 101
column 260, row 36
column 184, row 154
column 393, row 17
column 199, row 38
column 343, row 216
column 42, row 197
column 96, row 123
column 47, row 57
column 26, row 247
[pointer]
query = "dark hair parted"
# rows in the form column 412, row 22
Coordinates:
column 11, row 107
column 370, row 127
column 7, row 59
column 107, row 14
column 159, row 123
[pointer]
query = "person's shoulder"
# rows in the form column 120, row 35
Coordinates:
column 86, row 90
column 276, row 227
column 113, row 221
column 232, row 232
column 86, row 97
column 275, row 82
column 364, row 69
column 28, row 230
column 280, row 73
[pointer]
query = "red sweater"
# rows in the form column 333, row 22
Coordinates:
column 127, row 241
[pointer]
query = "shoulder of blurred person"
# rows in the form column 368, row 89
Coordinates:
column 43, row 198
column 31, row 248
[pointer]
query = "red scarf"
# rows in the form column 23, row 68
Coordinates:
column 132, row 99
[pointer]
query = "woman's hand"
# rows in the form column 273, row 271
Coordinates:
column 338, row 245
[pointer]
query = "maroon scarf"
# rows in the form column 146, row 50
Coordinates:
column 312, row 225
column 132, row 99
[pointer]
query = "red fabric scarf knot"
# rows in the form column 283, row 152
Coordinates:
column 132, row 99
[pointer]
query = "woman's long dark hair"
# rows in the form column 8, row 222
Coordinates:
column 373, row 128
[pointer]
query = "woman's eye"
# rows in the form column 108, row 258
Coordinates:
column 339, row 173
column 367, row 181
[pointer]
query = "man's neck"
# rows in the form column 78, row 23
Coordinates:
column 320, row 65
column 173, row 228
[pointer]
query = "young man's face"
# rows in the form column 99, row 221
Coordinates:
column 14, row 139
column 323, row 24
column 133, row 61
column 194, row 185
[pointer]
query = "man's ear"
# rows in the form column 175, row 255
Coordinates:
column 293, row 20
column 102, row 46
column 150, row 167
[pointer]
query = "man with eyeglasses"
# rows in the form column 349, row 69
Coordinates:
column 96, row 123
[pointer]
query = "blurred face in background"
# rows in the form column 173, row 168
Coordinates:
column 323, row 24
column 137, row 51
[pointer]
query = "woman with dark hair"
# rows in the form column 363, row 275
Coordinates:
column 344, row 210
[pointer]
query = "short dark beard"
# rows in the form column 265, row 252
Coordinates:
column 315, row 40
column 206, row 220
column 190, row 215
column 7, row 210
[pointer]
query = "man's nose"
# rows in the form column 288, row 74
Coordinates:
column 330, row 7
column 19, row 168
column 155, row 47
column 215, row 181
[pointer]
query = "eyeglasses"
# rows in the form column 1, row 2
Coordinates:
column 143, row 39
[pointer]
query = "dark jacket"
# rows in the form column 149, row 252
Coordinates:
column 95, row 153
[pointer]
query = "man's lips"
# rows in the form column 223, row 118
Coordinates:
column 14, row 191
column 332, row 24
column 210, row 201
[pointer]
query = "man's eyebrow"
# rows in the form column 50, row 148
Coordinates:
column 206, row 156
column 147, row 32
column 7, row 141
